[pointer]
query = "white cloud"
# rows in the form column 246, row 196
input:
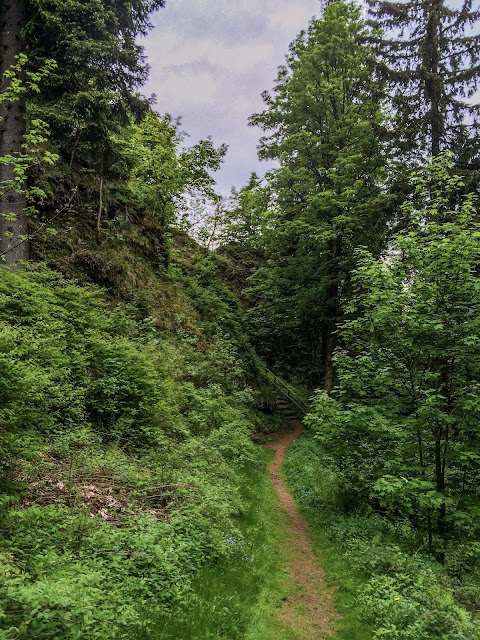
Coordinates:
column 208, row 51
column 186, row 87
column 285, row 18
column 211, row 59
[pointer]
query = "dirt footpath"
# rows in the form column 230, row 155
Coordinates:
column 307, row 609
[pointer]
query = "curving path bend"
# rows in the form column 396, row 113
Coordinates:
column 307, row 608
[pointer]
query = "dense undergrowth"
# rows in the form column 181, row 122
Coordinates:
column 126, row 455
column 388, row 586
column 231, row 597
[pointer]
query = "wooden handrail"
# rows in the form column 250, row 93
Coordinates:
column 289, row 394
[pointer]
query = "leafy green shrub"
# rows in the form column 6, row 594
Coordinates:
column 401, row 593
column 402, row 421
column 94, row 398
column 415, row 606
column 228, row 596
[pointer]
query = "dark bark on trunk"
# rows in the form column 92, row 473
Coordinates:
column 163, row 241
column 440, row 485
column 441, row 435
column 430, row 534
column 433, row 81
column 100, row 209
column 422, row 464
column 329, row 338
column 439, row 468
column 13, row 245
column 329, row 342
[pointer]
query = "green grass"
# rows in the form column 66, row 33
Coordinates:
column 339, row 576
column 104, row 415
column 337, row 570
column 236, row 597
column 385, row 587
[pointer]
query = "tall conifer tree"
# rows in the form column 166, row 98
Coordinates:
column 100, row 67
column 87, row 98
column 429, row 54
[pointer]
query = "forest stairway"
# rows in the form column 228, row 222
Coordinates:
column 285, row 409
column 289, row 403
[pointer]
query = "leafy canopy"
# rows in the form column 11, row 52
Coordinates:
column 404, row 417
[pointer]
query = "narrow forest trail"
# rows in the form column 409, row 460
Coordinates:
column 307, row 607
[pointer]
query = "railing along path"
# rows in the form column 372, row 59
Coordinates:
column 289, row 394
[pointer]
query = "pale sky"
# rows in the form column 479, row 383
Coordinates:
column 210, row 61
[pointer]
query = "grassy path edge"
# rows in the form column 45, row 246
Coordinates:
column 338, row 573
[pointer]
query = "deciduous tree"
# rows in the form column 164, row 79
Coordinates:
column 403, row 422
column 325, row 125
column 164, row 173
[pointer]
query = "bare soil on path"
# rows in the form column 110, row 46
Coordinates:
column 307, row 608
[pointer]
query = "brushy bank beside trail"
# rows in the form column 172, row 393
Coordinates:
column 387, row 586
column 233, row 596
column 127, row 466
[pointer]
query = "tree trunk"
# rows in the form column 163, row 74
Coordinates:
column 440, row 486
column 332, row 306
column 441, row 434
column 328, row 347
column 433, row 81
column 100, row 209
column 13, row 232
column 163, row 241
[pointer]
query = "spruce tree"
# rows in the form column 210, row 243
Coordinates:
column 429, row 55
column 85, row 99
column 100, row 68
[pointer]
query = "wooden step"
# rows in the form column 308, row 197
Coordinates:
column 288, row 413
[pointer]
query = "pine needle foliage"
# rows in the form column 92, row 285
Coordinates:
column 429, row 54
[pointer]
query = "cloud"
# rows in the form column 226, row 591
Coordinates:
column 186, row 87
column 208, row 51
column 284, row 17
column 211, row 59
column 230, row 20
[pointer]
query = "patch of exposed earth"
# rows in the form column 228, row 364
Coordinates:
column 307, row 607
